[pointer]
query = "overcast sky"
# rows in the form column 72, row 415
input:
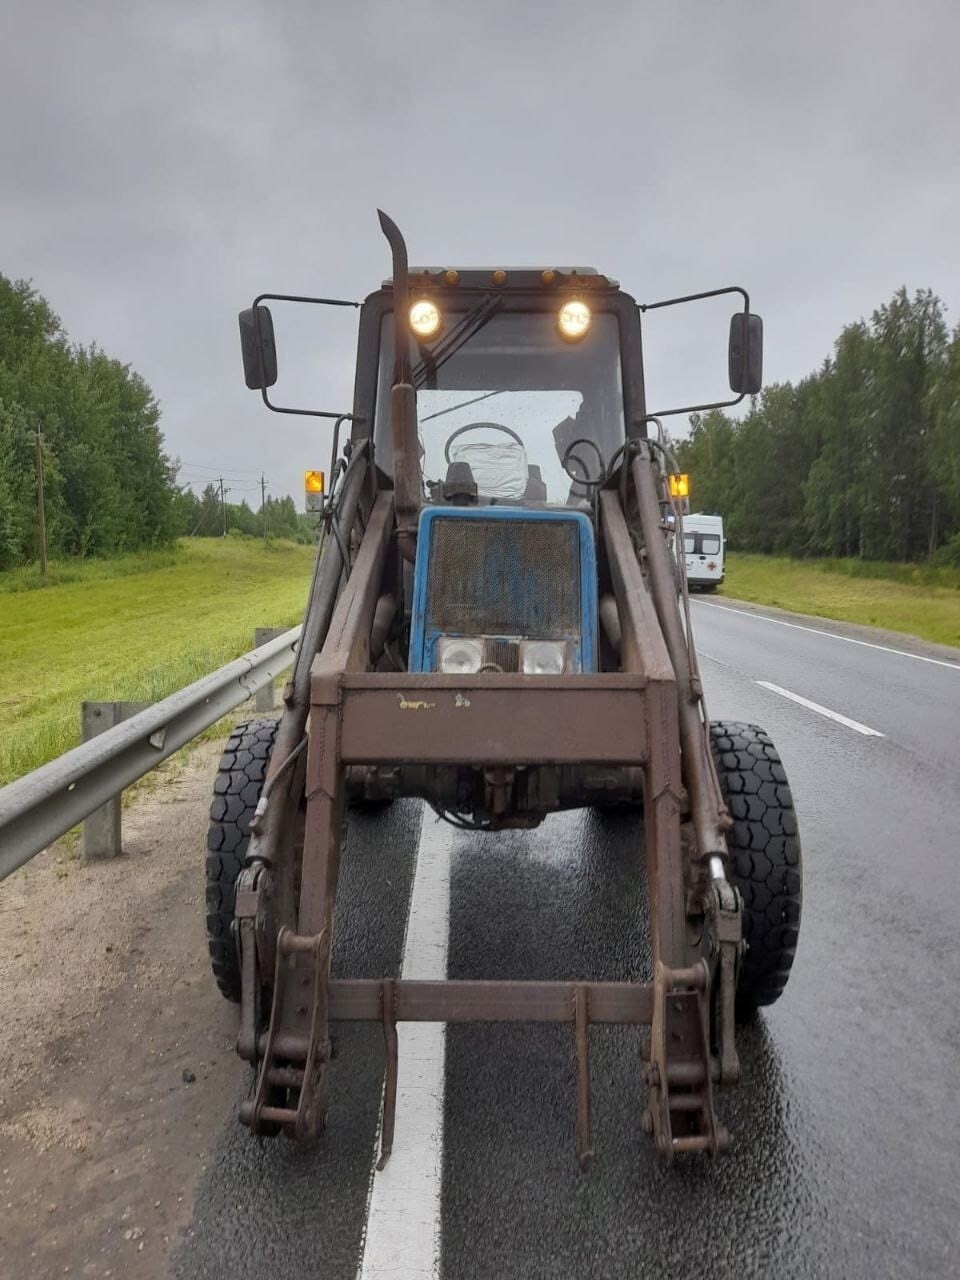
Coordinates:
column 161, row 163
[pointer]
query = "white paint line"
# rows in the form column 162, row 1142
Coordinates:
column 402, row 1238
column 831, row 635
column 823, row 711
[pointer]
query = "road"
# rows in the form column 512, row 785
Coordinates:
column 847, row 1123
column 120, row 1153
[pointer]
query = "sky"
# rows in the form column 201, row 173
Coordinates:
column 162, row 163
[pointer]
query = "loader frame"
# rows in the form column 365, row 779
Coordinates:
column 342, row 711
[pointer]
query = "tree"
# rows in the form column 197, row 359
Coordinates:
column 109, row 485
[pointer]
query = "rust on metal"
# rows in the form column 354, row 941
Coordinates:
column 581, row 1015
column 490, row 718
column 391, row 1051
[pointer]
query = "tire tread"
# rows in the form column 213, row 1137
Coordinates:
column 236, row 791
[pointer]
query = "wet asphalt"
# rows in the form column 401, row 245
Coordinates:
column 847, row 1120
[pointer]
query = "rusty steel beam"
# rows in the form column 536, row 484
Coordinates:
column 708, row 811
column 491, row 718
column 642, row 647
column 453, row 1000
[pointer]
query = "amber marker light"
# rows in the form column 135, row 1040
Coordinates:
column 679, row 486
column 573, row 320
column 424, row 319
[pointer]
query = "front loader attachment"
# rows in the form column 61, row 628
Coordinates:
column 634, row 718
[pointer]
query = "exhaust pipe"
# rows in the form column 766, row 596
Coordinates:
column 407, row 483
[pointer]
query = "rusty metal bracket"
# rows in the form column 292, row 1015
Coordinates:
column 253, row 935
column 279, row 1065
column 680, row 1071
column 722, row 911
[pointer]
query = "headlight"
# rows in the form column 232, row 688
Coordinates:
column 543, row 657
column 424, row 319
column 573, row 320
column 459, row 657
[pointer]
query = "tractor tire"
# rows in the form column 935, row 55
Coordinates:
column 236, row 789
column 765, row 862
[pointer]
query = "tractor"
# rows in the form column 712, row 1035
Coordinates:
column 498, row 624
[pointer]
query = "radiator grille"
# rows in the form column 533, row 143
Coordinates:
column 505, row 577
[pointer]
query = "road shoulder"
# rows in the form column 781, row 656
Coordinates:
column 117, row 1062
column 878, row 636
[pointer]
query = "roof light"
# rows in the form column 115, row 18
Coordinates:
column 679, row 485
column 573, row 320
column 424, row 318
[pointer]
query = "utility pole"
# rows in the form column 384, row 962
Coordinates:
column 41, row 516
column 263, row 504
column 223, row 506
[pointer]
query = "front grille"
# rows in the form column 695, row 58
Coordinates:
column 504, row 653
column 504, row 577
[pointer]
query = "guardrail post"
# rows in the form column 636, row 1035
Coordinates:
column 264, row 699
column 101, row 830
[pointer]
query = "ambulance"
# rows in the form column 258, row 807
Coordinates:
column 703, row 550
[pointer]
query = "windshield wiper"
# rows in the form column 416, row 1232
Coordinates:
column 470, row 325
column 463, row 404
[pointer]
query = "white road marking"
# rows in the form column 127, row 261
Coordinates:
column 823, row 711
column 402, row 1238
column 831, row 635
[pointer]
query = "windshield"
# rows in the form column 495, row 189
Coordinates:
column 510, row 402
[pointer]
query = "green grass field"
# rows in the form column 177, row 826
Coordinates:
column 919, row 600
column 135, row 628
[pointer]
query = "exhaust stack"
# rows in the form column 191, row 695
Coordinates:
column 403, row 399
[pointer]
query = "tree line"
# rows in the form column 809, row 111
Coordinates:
column 860, row 459
column 206, row 515
column 108, row 484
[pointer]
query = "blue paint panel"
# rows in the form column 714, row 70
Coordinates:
column 423, row 637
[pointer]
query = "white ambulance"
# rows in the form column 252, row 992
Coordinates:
column 703, row 550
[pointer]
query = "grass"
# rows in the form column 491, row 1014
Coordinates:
column 918, row 600
column 136, row 628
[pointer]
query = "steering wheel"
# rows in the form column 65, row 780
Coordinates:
column 570, row 457
column 476, row 426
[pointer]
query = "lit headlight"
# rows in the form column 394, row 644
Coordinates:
column 573, row 320
column 543, row 657
column 459, row 657
column 424, row 319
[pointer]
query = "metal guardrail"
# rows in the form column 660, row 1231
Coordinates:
column 42, row 805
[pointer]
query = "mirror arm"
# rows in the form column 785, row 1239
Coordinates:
column 293, row 297
column 696, row 297
column 699, row 408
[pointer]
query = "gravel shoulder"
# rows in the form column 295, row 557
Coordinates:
column 117, row 1063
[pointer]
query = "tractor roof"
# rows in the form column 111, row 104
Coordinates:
column 507, row 277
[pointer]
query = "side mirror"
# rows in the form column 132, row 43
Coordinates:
column 260, row 349
column 745, row 354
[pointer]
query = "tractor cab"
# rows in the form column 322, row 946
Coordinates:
column 519, row 416
column 519, row 386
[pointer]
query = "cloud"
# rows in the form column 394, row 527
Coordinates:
column 163, row 163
